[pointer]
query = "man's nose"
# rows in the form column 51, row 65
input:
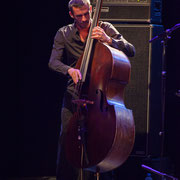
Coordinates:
column 84, row 18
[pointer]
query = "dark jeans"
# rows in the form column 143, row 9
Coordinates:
column 64, row 169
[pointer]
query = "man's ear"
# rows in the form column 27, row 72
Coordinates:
column 70, row 13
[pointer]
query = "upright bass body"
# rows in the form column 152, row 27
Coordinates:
column 107, row 126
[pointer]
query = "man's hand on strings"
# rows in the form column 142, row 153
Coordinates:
column 99, row 34
column 75, row 74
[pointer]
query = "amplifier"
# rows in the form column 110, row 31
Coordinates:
column 143, row 93
column 144, row 11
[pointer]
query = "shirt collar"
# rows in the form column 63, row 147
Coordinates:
column 74, row 29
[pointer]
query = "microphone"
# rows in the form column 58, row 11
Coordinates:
column 169, row 31
column 166, row 33
column 178, row 93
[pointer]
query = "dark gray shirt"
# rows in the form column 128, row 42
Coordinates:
column 68, row 47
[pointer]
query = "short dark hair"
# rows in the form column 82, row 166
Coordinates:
column 77, row 3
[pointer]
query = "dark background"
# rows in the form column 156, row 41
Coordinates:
column 34, row 94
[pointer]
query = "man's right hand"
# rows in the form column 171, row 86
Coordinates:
column 75, row 74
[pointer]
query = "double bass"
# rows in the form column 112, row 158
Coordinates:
column 101, row 132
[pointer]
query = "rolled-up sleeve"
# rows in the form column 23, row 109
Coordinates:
column 56, row 58
column 118, row 40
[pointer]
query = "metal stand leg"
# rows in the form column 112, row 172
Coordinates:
column 97, row 175
column 81, row 174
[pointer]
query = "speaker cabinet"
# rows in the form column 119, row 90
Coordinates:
column 143, row 93
column 147, row 11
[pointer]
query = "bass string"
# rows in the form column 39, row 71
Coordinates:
column 89, row 42
column 87, row 54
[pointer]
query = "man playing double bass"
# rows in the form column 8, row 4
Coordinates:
column 69, row 43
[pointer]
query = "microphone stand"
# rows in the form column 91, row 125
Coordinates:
column 164, row 37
